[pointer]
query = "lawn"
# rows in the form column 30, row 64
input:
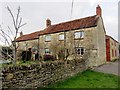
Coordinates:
column 89, row 79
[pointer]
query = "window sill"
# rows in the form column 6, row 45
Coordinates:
column 61, row 40
column 78, row 38
column 47, row 41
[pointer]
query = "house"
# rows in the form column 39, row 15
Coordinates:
column 27, row 41
column 112, row 49
column 75, row 39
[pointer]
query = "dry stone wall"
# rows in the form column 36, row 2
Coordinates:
column 40, row 75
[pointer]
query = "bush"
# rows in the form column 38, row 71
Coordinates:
column 61, row 54
column 48, row 57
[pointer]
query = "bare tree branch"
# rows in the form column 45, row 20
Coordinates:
column 12, row 17
column 6, row 35
column 22, row 25
column 8, row 55
column 10, row 30
column 2, row 34
column 17, row 16
column 17, row 46
column 17, row 24
column 20, row 22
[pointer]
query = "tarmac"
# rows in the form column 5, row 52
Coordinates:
column 109, row 67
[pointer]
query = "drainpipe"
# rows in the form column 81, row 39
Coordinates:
column 38, row 49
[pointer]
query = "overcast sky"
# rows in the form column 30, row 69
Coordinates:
column 35, row 13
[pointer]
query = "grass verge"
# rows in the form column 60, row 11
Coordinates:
column 89, row 79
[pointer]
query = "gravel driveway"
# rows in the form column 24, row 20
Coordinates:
column 111, row 67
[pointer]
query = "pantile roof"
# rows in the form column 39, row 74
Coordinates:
column 72, row 25
column 86, row 22
column 30, row 36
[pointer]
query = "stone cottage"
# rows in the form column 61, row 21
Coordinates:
column 28, row 41
column 78, row 38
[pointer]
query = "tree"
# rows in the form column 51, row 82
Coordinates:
column 57, row 49
column 17, row 23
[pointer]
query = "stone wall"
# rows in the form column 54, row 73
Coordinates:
column 40, row 75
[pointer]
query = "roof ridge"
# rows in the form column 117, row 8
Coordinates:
column 71, row 20
column 32, row 33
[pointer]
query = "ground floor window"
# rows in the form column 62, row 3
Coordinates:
column 116, row 53
column 80, row 50
column 47, row 51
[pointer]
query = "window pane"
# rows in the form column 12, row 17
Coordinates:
column 48, row 38
column 61, row 37
column 79, row 50
column 82, row 35
column 47, row 51
column 79, row 34
column 82, row 49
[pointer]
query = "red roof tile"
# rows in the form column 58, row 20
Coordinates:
column 65, row 26
column 30, row 36
column 72, row 25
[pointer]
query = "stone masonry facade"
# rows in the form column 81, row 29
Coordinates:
column 92, row 41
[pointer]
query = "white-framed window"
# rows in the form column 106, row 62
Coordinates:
column 61, row 36
column 80, row 50
column 47, row 51
column 48, row 38
column 79, row 34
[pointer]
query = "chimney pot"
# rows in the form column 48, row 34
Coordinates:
column 48, row 22
column 98, row 11
column 21, row 33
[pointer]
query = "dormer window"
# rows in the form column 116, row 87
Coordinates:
column 61, row 37
column 48, row 38
column 79, row 34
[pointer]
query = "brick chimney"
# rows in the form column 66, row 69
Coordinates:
column 98, row 11
column 21, row 33
column 48, row 22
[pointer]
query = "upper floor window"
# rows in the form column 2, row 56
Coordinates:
column 112, row 53
column 61, row 37
column 48, row 38
column 80, row 50
column 47, row 51
column 79, row 34
column 111, row 43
